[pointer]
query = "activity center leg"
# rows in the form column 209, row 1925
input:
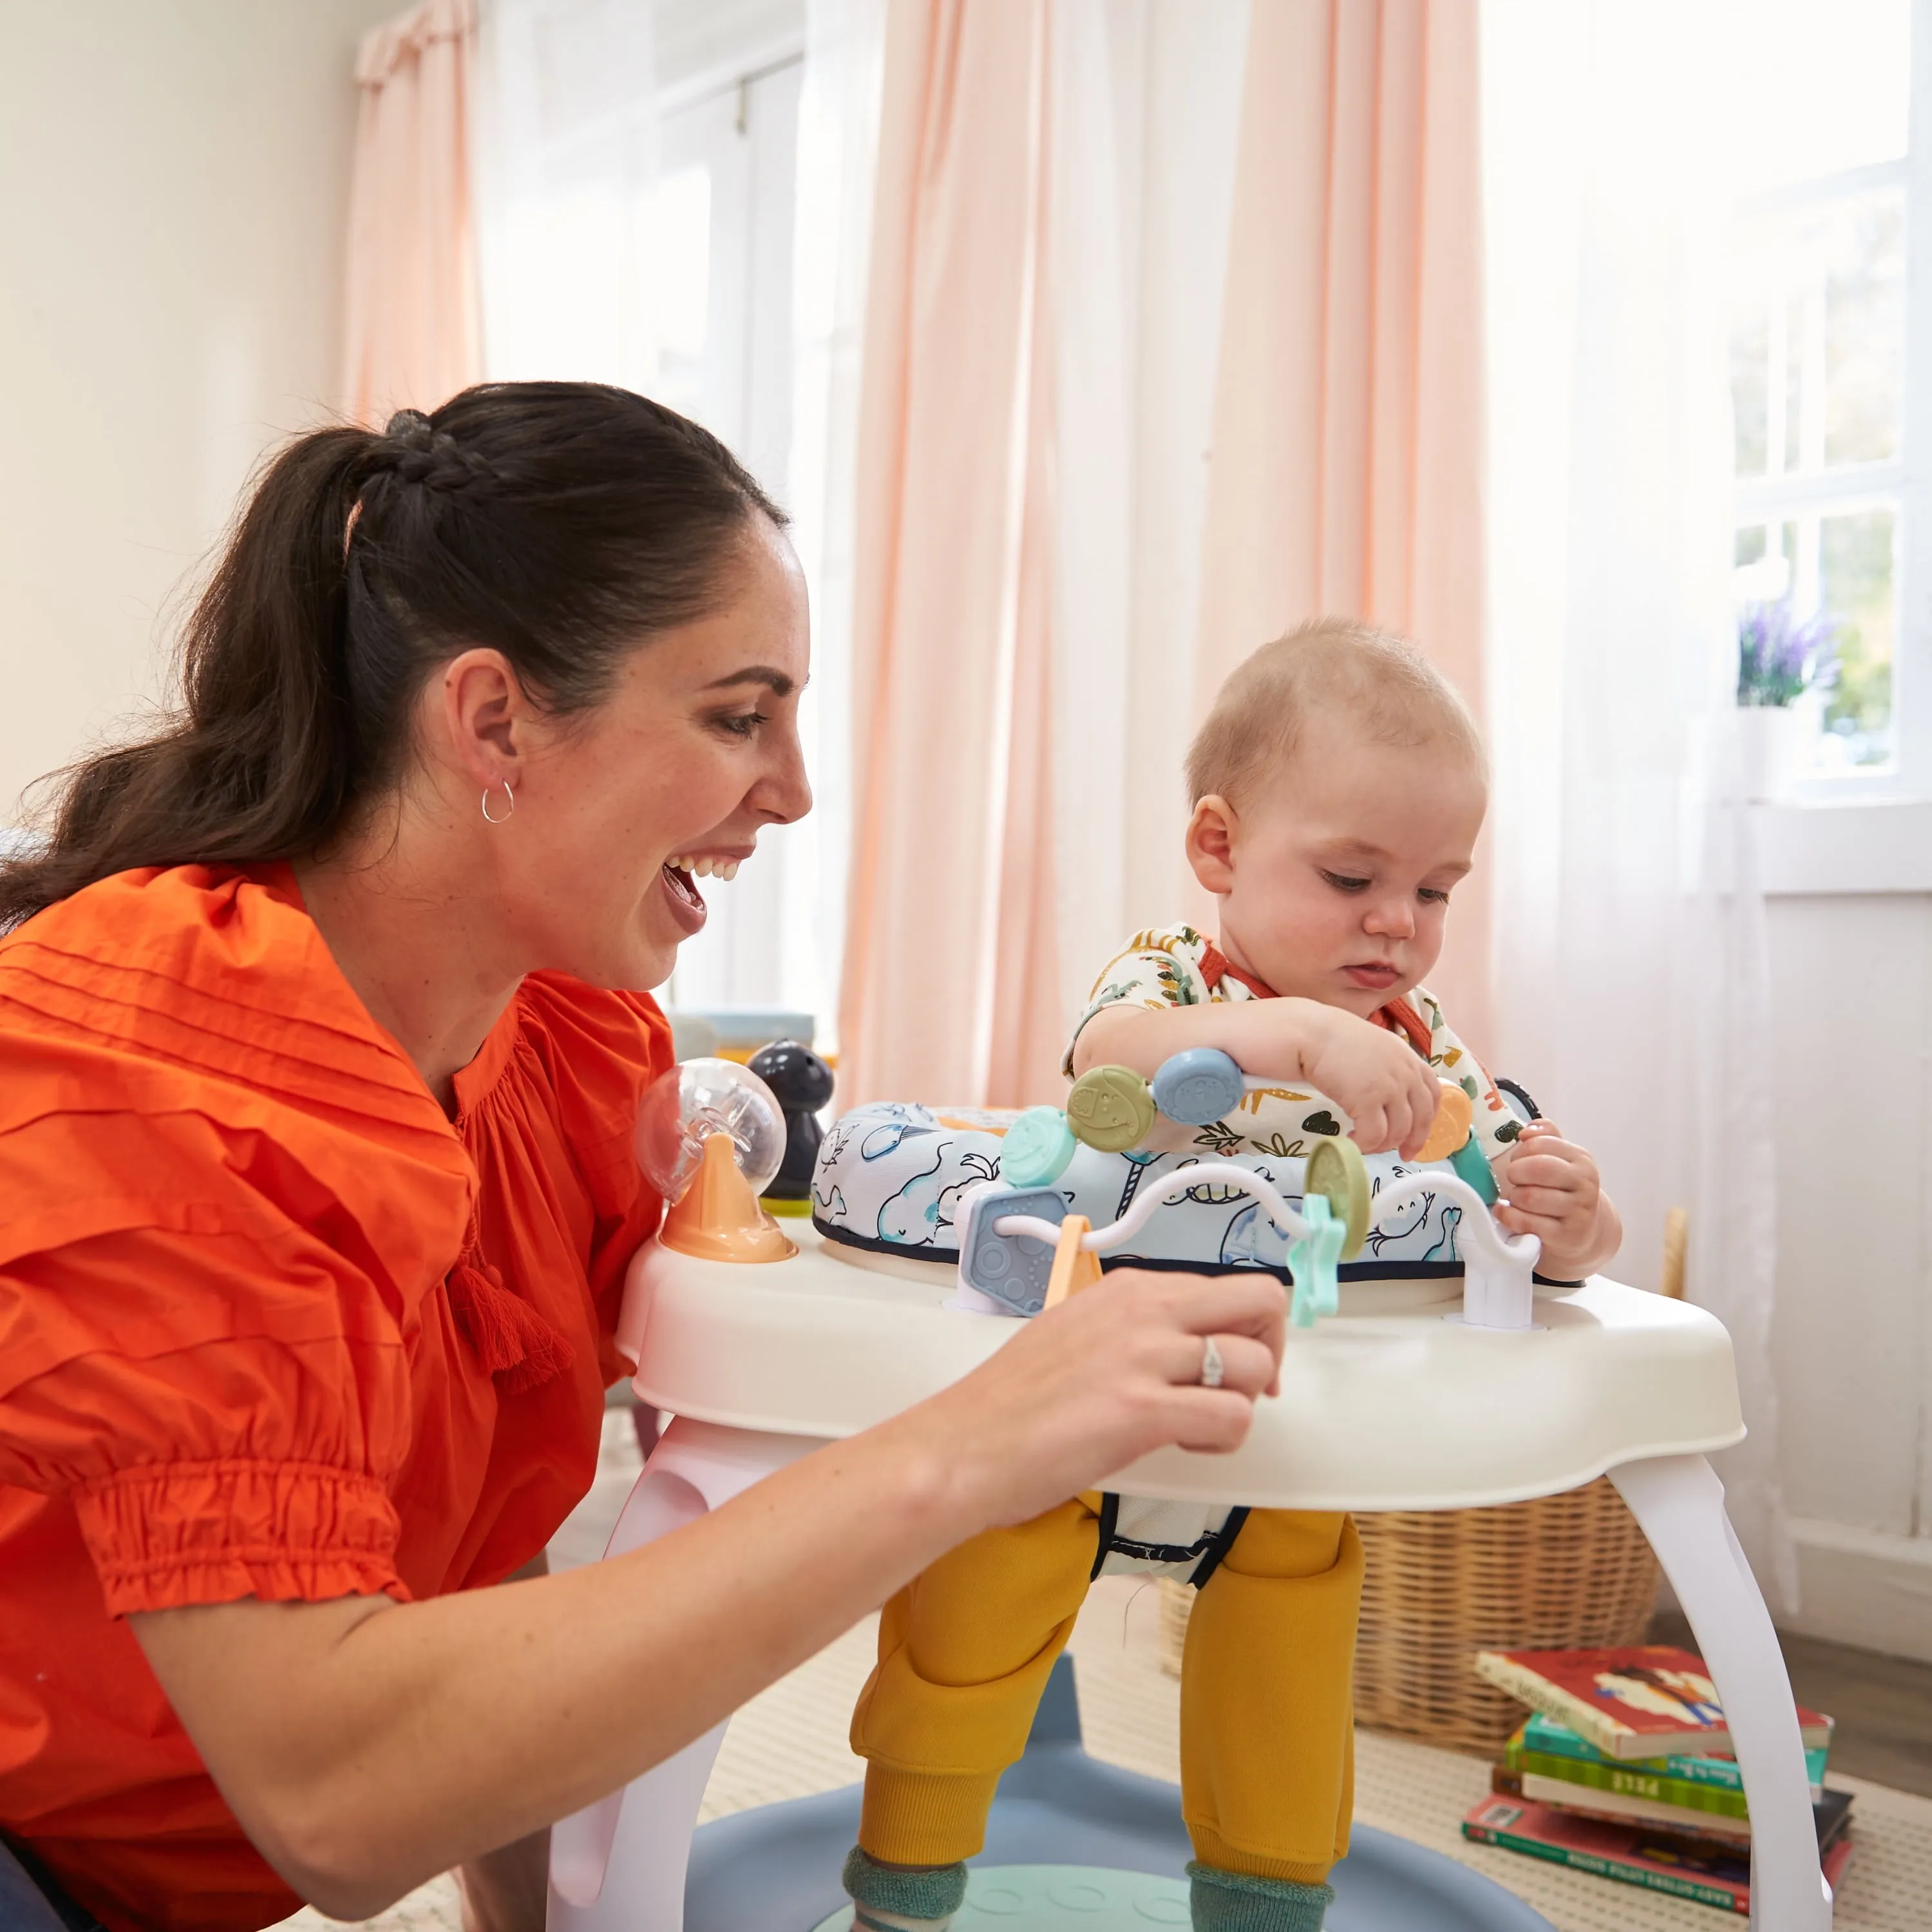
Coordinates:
column 965, row 1652
column 1679, row 1503
column 619, row 1865
column 1267, row 1713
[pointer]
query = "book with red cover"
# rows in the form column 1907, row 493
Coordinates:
column 1641, row 1700
column 1706, row 1874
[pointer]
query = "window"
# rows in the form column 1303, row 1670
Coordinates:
column 638, row 168
column 1833, row 512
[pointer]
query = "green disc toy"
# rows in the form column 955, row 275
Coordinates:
column 1111, row 1109
column 1335, row 1172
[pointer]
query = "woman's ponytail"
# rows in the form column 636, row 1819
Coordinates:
column 561, row 522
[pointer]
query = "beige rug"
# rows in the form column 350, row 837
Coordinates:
column 791, row 1741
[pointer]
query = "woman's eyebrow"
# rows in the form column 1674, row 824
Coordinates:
column 779, row 682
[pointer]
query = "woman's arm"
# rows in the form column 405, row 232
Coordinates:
column 366, row 1746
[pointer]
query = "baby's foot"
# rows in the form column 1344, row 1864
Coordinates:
column 902, row 1898
column 1225, row 1901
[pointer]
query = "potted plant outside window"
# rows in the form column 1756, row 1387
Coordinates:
column 1781, row 659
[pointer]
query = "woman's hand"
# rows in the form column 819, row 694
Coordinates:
column 1109, row 1376
column 1551, row 1189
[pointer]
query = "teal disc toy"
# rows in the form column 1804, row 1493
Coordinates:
column 1058, row 1898
column 1469, row 1162
column 1036, row 1148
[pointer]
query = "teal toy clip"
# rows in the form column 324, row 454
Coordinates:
column 1313, row 1262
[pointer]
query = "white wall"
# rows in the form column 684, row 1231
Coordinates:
column 173, row 195
column 1851, row 940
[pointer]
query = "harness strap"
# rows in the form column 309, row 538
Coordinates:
column 1209, row 1550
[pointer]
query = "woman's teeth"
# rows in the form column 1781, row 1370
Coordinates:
column 706, row 868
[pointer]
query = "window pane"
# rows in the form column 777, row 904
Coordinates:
column 1857, row 586
column 1751, row 344
column 1816, row 88
column 1818, row 335
column 1864, row 329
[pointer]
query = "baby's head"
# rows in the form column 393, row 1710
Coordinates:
column 1338, row 784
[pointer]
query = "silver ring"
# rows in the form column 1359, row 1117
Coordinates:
column 1212, row 1367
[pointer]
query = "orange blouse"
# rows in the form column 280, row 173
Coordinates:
column 270, row 1326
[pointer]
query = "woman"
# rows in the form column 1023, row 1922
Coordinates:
column 315, row 1124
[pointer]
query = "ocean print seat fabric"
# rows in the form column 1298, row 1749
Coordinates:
column 891, row 1177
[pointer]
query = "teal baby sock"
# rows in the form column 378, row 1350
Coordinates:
column 1225, row 1901
column 888, row 1898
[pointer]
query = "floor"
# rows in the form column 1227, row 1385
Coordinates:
column 1883, row 1705
column 791, row 1741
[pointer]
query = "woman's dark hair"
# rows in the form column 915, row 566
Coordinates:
column 561, row 522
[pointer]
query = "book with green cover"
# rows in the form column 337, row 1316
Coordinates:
column 1545, row 1734
column 1626, row 1780
column 1829, row 1815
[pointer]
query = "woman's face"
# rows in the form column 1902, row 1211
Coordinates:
column 693, row 753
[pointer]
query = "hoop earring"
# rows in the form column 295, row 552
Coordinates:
column 507, row 793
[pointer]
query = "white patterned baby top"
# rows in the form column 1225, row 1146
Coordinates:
column 1175, row 966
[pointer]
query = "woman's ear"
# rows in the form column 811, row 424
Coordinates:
column 1210, row 844
column 484, row 716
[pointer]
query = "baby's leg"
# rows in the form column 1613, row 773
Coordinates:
column 1267, row 1722
column 965, row 1651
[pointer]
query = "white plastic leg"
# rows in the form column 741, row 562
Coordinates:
column 619, row 1865
column 1679, row 1503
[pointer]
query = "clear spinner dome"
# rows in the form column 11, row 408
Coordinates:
column 682, row 1108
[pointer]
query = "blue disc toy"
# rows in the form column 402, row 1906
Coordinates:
column 1198, row 1086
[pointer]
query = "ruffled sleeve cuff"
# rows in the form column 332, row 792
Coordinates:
column 174, row 1533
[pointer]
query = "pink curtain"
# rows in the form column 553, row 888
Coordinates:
column 1347, row 448
column 950, row 961
column 414, row 334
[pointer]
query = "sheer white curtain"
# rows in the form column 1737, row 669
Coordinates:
column 1632, row 994
column 1146, row 120
column 705, row 241
column 566, row 166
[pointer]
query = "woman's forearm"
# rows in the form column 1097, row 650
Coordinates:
column 374, row 1748
column 366, row 1746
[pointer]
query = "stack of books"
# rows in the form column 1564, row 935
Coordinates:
column 1623, row 1770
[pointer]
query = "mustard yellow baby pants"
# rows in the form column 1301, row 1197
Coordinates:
column 1267, row 1720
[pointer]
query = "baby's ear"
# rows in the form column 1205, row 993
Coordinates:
column 1210, row 844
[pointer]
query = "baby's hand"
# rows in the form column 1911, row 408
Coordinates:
column 1551, row 1189
column 1387, row 1090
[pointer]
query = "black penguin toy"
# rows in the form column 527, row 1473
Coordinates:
column 802, row 1083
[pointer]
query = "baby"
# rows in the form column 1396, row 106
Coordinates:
column 1338, row 785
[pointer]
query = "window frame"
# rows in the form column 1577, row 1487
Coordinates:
column 1904, row 480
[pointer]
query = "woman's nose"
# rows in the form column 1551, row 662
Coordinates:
column 784, row 794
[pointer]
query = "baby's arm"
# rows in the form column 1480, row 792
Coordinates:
column 1551, row 1190
column 1389, row 1093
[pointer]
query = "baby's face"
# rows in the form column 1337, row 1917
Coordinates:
column 1334, row 881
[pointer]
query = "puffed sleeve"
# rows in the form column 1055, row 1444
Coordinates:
column 215, row 1376
column 602, row 1048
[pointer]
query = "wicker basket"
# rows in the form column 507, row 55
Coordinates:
column 1558, row 1571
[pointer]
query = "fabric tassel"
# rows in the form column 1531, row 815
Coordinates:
column 512, row 1341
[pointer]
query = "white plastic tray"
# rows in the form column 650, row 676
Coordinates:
column 1391, row 1405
